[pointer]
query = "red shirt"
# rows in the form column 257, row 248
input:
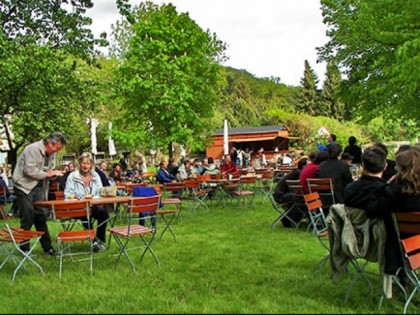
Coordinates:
column 308, row 171
column 229, row 167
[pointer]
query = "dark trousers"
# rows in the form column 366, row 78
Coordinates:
column 101, row 215
column 30, row 215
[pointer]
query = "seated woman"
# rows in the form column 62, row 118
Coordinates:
column 86, row 182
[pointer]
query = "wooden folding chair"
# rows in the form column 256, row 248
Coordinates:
column 172, row 196
column 325, row 188
column 407, row 226
column 11, row 239
column 266, row 184
column 355, row 240
column 319, row 224
column 283, row 211
column 298, row 207
column 167, row 215
column 246, row 192
column 123, row 234
column 67, row 240
column 196, row 193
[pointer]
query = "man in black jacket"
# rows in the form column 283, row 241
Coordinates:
column 284, row 196
column 362, row 192
column 336, row 169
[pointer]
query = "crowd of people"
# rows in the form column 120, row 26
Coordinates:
column 381, row 187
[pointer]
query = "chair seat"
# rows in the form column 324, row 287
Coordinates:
column 73, row 236
column 172, row 201
column 243, row 193
column 125, row 231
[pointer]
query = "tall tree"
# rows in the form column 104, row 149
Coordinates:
column 309, row 97
column 376, row 45
column 331, row 105
column 169, row 79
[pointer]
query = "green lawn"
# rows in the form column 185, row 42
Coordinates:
column 226, row 260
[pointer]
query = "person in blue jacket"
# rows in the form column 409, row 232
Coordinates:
column 331, row 140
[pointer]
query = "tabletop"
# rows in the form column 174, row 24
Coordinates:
column 92, row 201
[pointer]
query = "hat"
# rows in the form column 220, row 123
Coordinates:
column 346, row 156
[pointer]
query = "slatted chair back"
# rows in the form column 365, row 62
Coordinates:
column 123, row 234
column 216, row 176
column 325, row 188
column 295, row 187
column 59, row 195
column 130, row 187
column 66, row 212
column 407, row 225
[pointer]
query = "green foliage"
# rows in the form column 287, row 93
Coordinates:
column 61, row 24
column 306, row 127
column 40, row 89
column 168, row 79
column 309, row 98
column 383, row 130
column 376, row 45
column 44, row 85
column 331, row 105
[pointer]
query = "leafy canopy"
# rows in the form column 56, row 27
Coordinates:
column 377, row 45
column 168, row 79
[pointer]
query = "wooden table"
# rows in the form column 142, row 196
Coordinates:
column 92, row 201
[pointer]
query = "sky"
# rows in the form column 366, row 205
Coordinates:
column 267, row 38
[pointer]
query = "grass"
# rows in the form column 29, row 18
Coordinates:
column 226, row 260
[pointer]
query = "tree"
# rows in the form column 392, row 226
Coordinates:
column 40, row 92
column 309, row 94
column 169, row 79
column 60, row 24
column 331, row 105
column 42, row 86
column 376, row 44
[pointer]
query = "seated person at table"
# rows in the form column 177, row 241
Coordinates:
column 282, row 194
column 336, row 169
column 186, row 170
column 211, row 168
column 116, row 174
column 311, row 167
column 401, row 194
column 228, row 167
column 84, row 182
column 163, row 175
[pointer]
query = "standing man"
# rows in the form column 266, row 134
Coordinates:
column 332, row 138
column 32, row 173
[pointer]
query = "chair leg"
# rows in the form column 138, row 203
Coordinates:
column 168, row 225
column 359, row 274
column 123, row 250
column 148, row 248
column 26, row 256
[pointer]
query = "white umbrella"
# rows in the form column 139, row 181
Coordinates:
column 93, row 124
column 111, row 146
column 225, row 138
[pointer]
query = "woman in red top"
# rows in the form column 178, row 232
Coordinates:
column 309, row 171
column 228, row 167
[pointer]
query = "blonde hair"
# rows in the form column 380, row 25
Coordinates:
column 86, row 156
